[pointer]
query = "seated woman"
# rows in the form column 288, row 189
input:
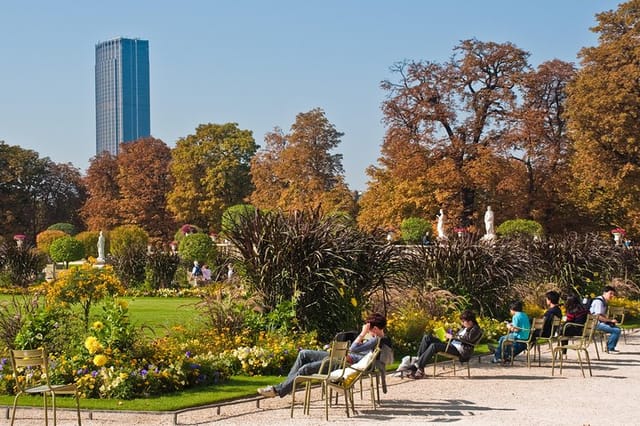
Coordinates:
column 576, row 316
column 461, row 344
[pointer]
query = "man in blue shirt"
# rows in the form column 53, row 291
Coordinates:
column 519, row 328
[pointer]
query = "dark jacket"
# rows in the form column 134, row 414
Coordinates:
column 468, row 340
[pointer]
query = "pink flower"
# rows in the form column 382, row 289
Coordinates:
column 619, row 231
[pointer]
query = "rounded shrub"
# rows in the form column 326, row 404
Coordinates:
column 45, row 238
column 520, row 226
column 89, row 240
column 127, row 238
column 196, row 247
column 230, row 217
column 413, row 229
column 66, row 249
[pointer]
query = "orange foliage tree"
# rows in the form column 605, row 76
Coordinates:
column 144, row 180
column 603, row 115
column 299, row 170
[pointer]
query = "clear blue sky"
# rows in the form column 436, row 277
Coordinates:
column 254, row 62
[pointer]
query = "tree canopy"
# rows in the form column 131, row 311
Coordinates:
column 211, row 172
column 300, row 169
column 604, row 118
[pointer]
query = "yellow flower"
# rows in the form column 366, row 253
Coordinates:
column 92, row 344
column 123, row 303
column 354, row 302
column 98, row 325
column 100, row 360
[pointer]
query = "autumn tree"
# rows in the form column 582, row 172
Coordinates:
column 211, row 172
column 100, row 211
column 604, row 119
column 449, row 119
column 36, row 192
column 144, row 180
column 300, row 169
column 540, row 146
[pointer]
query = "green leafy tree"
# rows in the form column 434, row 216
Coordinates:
column 602, row 108
column 66, row 249
column 413, row 229
column 35, row 192
column 211, row 172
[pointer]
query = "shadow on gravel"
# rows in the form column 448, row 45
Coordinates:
column 449, row 410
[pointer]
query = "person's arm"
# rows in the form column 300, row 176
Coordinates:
column 470, row 336
column 599, row 309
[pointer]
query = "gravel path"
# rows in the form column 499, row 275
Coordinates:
column 495, row 394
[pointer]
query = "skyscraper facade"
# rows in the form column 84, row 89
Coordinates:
column 122, row 93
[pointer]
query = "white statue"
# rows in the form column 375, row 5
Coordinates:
column 100, row 248
column 488, row 222
column 441, row 234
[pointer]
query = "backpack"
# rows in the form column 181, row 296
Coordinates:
column 197, row 271
column 588, row 301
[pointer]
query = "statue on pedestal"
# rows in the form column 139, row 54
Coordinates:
column 440, row 228
column 489, row 225
column 100, row 258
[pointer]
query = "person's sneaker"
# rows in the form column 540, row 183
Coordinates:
column 614, row 351
column 268, row 392
column 496, row 361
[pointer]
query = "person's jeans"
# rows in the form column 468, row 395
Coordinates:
column 614, row 334
column 428, row 348
column 517, row 347
column 307, row 362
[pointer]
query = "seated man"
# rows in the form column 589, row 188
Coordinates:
column 461, row 344
column 309, row 361
column 605, row 324
column 552, row 299
column 519, row 328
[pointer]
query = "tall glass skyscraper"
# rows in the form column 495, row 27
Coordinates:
column 122, row 93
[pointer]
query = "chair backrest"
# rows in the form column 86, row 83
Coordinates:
column 337, row 355
column 590, row 326
column 537, row 325
column 30, row 358
column 616, row 312
column 555, row 326
column 346, row 377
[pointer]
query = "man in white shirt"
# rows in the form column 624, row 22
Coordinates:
column 606, row 324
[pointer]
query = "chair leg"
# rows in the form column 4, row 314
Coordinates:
column 586, row 354
column 580, row 361
column 13, row 410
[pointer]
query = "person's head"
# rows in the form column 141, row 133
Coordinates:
column 515, row 307
column 553, row 297
column 377, row 323
column 608, row 292
column 468, row 319
column 573, row 303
